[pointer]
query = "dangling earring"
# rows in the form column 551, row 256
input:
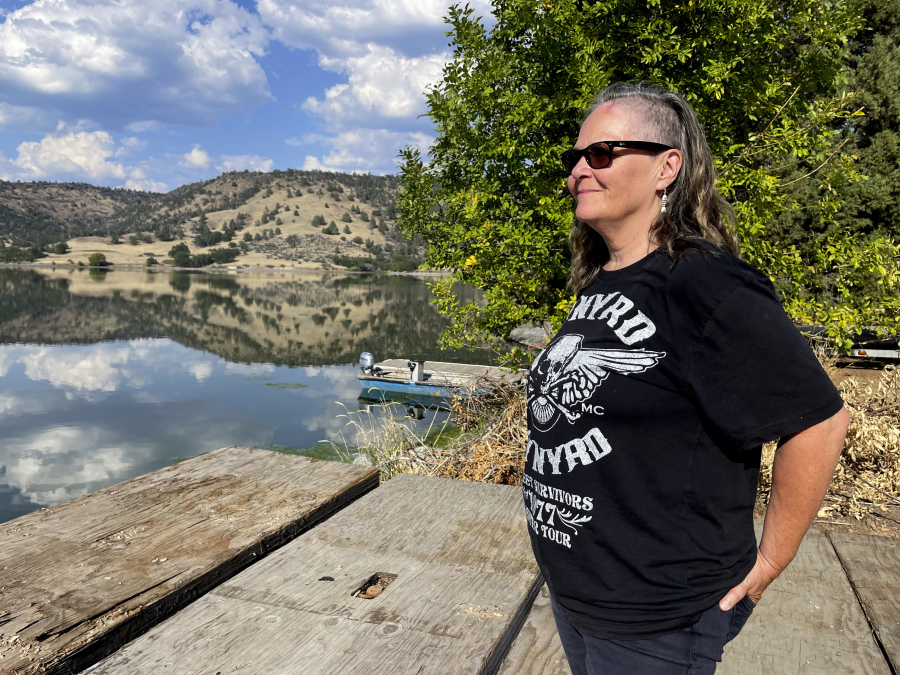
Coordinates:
column 665, row 198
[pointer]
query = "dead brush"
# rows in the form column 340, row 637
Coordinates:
column 868, row 475
column 491, row 414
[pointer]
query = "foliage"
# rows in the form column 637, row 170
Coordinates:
column 874, row 204
column 16, row 254
column 764, row 76
column 398, row 263
column 97, row 260
column 181, row 255
column 332, row 228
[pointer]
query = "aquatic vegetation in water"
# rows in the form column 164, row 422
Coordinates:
column 286, row 385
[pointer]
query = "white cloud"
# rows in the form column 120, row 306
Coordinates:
column 85, row 153
column 380, row 80
column 26, row 118
column 341, row 29
column 133, row 143
column 201, row 371
column 367, row 150
column 311, row 163
column 143, row 125
column 138, row 180
column 146, row 185
column 197, row 158
column 391, row 51
column 126, row 62
column 94, row 369
column 249, row 368
column 241, row 162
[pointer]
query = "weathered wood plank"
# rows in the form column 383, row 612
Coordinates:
column 809, row 621
column 80, row 579
column 537, row 649
column 465, row 581
column 873, row 566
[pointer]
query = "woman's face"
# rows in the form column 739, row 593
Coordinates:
column 625, row 193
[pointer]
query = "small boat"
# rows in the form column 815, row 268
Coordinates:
column 426, row 384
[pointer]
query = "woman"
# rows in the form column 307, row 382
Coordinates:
column 648, row 409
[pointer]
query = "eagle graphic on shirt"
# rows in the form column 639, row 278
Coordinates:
column 564, row 375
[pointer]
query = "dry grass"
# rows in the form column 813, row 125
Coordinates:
column 868, row 476
column 491, row 414
column 486, row 443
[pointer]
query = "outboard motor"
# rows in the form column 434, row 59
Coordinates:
column 416, row 371
column 366, row 363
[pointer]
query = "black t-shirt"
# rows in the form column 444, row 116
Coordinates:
column 646, row 416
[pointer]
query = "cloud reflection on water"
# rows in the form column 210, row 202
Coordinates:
column 75, row 418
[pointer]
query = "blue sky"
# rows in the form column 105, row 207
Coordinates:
column 152, row 94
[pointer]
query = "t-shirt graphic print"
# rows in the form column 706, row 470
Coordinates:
column 646, row 414
column 565, row 376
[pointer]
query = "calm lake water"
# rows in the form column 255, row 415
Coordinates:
column 106, row 376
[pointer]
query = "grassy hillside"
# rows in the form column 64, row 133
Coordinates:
column 278, row 219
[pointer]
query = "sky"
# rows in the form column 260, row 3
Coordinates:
column 153, row 94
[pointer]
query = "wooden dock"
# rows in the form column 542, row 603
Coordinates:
column 834, row 611
column 80, row 579
column 461, row 580
column 421, row 576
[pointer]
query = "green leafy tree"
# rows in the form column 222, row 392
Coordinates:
column 330, row 229
column 765, row 77
column 97, row 260
column 61, row 248
column 346, row 217
column 346, row 229
column 181, row 255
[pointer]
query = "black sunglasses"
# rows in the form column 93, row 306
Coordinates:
column 600, row 155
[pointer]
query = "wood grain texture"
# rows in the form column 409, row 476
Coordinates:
column 808, row 622
column 537, row 649
column 873, row 566
column 465, row 577
column 81, row 578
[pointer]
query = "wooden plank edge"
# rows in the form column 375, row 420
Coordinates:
column 504, row 643
column 892, row 666
column 157, row 611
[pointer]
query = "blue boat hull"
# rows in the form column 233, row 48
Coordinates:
column 424, row 395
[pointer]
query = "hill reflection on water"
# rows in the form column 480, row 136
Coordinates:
column 107, row 376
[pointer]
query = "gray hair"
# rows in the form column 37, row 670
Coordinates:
column 696, row 215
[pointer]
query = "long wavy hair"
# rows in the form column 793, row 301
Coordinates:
column 696, row 215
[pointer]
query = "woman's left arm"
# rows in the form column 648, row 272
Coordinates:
column 803, row 466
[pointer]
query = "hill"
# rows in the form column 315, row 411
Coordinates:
column 278, row 219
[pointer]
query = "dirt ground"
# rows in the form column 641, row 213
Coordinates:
column 883, row 522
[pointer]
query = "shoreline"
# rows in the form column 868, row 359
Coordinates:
column 229, row 270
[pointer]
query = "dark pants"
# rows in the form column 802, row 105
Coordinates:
column 693, row 651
